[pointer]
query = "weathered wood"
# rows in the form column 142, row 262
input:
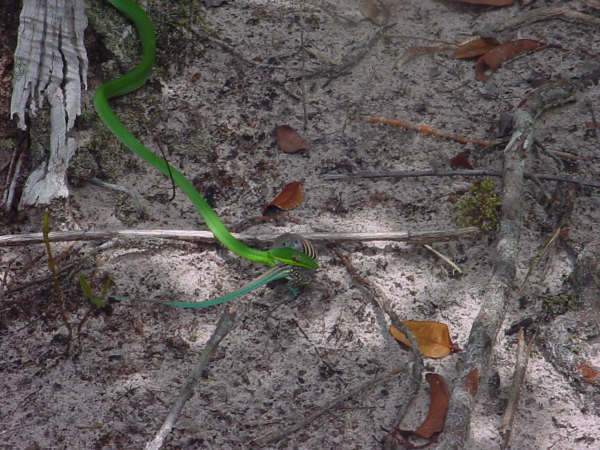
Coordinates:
column 207, row 236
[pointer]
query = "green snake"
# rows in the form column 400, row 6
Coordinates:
column 295, row 276
column 135, row 79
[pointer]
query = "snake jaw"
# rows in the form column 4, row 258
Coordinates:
column 293, row 257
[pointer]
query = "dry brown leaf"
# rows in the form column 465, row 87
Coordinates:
column 139, row 328
column 440, row 397
column 471, row 382
column 290, row 197
column 498, row 55
column 475, row 47
column 436, row 417
column 289, row 140
column 461, row 161
column 486, row 2
column 588, row 372
column 433, row 337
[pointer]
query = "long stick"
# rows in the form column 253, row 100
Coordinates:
column 224, row 326
column 454, row 173
column 419, row 237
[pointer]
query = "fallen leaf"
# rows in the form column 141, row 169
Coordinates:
column 289, row 140
column 370, row 10
column 433, row 337
column 195, row 77
column 290, row 197
column 461, row 161
column 475, row 47
column 471, row 382
column 486, row 2
column 589, row 373
column 504, row 52
column 139, row 328
column 440, row 397
column 436, row 417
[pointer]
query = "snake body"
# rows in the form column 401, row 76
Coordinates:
column 135, row 79
column 295, row 276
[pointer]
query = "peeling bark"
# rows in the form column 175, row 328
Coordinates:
column 50, row 63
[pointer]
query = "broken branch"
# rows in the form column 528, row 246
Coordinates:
column 500, row 287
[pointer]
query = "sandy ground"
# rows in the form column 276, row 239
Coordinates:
column 216, row 114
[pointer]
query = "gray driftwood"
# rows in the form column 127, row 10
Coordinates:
column 50, row 63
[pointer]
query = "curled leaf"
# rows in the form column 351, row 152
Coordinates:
column 433, row 337
column 289, row 140
column 440, row 397
column 498, row 55
column 436, row 417
column 289, row 198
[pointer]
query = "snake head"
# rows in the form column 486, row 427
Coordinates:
column 294, row 250
column 293, row 257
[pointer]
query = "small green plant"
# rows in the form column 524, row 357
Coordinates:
column 480, row 207
column 556, row 305
column 7, row 144
column 96, row 302
column 87, row 291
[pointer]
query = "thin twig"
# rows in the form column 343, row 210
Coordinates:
column 258, row 220
column 13, row 183
column 381, row 300
column 323, row 360
column 161, row 147
column 302, row 80
column 515, row 390
column 350, row 61
column 14, row 169
column 452, row 173
column 60, row 299
column 228, row 48
column 542, row 253
column 417, row 237
column 432, row 131
column 62, row 271
column 539, row 14
column 443, row 258
column 120, row 188
column 224, row 326
column 273, row 437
